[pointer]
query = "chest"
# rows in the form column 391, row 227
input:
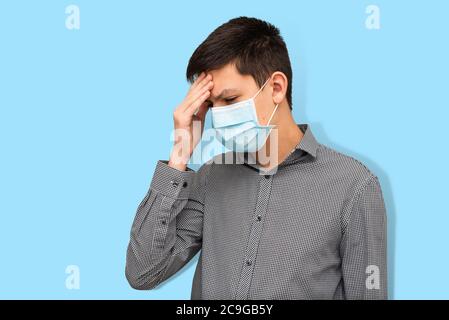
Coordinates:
column 284, row 210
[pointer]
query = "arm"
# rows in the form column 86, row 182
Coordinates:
column 363, row 247
column 167, row 229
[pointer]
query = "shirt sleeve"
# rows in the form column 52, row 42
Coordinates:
column 167, row 229
column 363, row 247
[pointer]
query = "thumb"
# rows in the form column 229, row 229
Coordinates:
column 202, row 110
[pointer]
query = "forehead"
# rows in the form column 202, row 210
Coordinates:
column 229, row 77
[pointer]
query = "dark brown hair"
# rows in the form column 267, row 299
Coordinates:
column 253, row 45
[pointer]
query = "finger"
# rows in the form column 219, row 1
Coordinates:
column 197, row 82
column 202, row 110
column 198, row 92
column 197, row 103
column 200, row 84
column 192, row 97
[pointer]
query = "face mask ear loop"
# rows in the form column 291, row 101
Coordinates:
column 254, row 109
column 272, row 114
column 260, row 88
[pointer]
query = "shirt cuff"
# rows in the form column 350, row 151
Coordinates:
column 172, row 182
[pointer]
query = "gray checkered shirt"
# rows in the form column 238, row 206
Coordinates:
column 315, row 229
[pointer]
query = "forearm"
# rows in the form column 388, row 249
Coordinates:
column 163, row 218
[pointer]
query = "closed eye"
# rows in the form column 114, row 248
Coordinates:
column 227, row 100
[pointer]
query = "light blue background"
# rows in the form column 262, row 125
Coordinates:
column 85, row 114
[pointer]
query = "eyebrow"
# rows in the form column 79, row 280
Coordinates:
column 224, row 93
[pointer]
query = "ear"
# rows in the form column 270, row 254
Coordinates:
column 280, row 83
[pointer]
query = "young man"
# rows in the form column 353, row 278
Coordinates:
column 308, row 223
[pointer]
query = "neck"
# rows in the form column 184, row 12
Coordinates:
column 288, row 136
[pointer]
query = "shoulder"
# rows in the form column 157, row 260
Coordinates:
column 359, row 185
column 347, row 168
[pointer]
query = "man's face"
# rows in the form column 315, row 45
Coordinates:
column 231, row 87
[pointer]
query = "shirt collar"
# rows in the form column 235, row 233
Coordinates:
column 308, row 143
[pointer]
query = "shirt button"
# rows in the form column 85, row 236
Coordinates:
column 184, row 184
column 249, row 262
column 259, row 218
column 267, row 176
column 163, row 222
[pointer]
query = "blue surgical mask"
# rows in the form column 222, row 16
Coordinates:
column 237, row 126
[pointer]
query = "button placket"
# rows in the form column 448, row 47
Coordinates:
column 174, row 183
column 246, row 274
column 161, row 231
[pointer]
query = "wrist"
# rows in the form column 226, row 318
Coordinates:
column 178, row 160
